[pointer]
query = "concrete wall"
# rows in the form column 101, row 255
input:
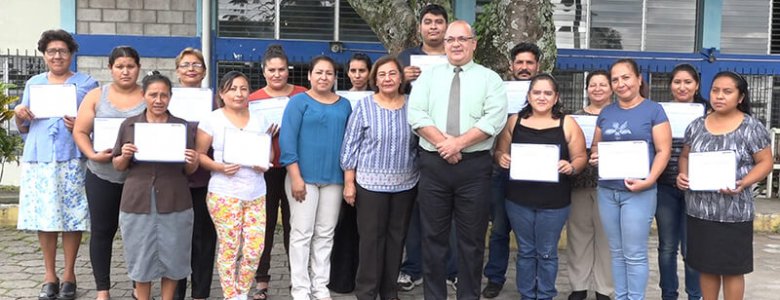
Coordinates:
column 21, row 23
column 137, row 17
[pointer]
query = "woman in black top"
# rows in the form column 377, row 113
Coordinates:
column 538, row 210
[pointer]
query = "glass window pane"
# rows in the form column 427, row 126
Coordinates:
column 570, row 23
column 352, row 27
column 745, row 26
column 246, row 18
column 307, row 19
column 616, row 24
column 670, row 25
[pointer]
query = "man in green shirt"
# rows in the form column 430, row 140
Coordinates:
column 457, row 108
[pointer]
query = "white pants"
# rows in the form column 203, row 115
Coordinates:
column 312, row 224
column 587, row 247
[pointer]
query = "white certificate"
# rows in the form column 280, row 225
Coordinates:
column 53, row 100
column 191, row 104
column 246, row 148
column 104, row 133
column 271, row 109
column 621, row 160
column 681, row 114
column 354, row 96
column 712, row 171
column 161, row 142
column 426, row 62
column 516, row 94
column 534, row 162
column 588, row 125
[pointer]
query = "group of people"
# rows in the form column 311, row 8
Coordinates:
column 420, row 169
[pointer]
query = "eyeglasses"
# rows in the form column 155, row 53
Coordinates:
column 54, row 51
column 460, row 39
column 193, row 65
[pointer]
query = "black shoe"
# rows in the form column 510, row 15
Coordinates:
column 602, row 297
column 67, row 291
column 49, row 291
column 492, row 290
column 578, row 295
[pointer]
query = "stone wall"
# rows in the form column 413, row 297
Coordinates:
column 137, row 17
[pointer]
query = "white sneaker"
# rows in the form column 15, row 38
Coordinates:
column 406, row 283
column 453, row 283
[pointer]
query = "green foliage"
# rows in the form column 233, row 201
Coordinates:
column 10, row 144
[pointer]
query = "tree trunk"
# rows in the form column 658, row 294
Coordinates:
column 506, row 23
column 394, row 21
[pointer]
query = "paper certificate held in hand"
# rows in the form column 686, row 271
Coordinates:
column 247, row 148
column 271, row 109
column 160, row 142
column 104, row 133
column 53, row 100
column 624, row 159
column 426, row 62
column 588, row 125
column 354, row 96
column 516, row 94
column 712, row 171
column 191, row 104
column 681, row 114
column 534, row 162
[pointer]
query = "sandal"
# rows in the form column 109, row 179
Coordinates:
column 49, row 291
column 260, row 294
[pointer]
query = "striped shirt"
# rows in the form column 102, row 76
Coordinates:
column 380, row 146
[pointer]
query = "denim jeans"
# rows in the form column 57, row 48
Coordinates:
column 537, row 232
column 498, row 247
column 670, row 218
column 412, row 264
column 627, row 217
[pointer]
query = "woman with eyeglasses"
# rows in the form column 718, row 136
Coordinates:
column 52, row 200
column 720, row 223
column 191, row 69
column 121, row 98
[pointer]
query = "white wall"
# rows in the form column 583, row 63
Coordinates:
column 22, row 21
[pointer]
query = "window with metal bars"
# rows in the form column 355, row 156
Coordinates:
column 774, row 47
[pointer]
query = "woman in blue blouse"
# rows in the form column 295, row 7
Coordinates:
column 311, row 134
column 51, row 196
column 382, row 183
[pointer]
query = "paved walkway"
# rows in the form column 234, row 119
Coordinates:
column 21, row 271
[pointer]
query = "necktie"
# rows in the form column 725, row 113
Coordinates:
column 453, row 109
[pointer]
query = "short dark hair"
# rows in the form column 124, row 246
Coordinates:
column 434, row 9
column 274, row 51
column 155, row 76
column 383, row 61
column 557, row 109
column 644, row 90
column 691, row 70
column 51, row 35
column 526, row 47
column 123, row 51
column 320, row 58
column 227, row 80
column 360, row 56
column 742, row 87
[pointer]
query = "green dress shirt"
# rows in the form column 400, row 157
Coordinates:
column 482, row 102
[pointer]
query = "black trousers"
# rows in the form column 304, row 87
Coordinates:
column 275, row 198
column 456, row 192
column 383, row 220
column 103, row 198
column 204, row 245
column 344, row 256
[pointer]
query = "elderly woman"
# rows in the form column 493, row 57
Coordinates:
column 156, row 208
column 191, row 69
column 52, row 199
column 382, row 184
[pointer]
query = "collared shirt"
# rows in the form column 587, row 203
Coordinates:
column 48, row 139
column 169, row 180
column 482, row 102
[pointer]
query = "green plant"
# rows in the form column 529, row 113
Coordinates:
column 10, row 144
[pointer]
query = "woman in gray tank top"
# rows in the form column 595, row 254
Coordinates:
column 119, row 99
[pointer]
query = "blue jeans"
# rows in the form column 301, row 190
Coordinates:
column 412, row 265
column 498, row 247
column 670, row 218
column 626, row 217
column 537, row 232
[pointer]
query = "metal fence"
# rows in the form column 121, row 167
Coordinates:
column 17, row 67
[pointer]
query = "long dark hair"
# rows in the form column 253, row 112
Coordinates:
column 124, row 51
column 557, row 109
column 742, row 87
column 691, row 70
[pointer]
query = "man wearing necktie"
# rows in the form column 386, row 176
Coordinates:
column 457, row 108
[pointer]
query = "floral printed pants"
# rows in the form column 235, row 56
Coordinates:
column 240, row 229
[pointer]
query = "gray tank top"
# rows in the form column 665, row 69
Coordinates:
column 104, row 109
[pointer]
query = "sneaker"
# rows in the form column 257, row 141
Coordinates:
column 492, row 290
column 406, row 283
column 578, row 295
column 453, row 283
